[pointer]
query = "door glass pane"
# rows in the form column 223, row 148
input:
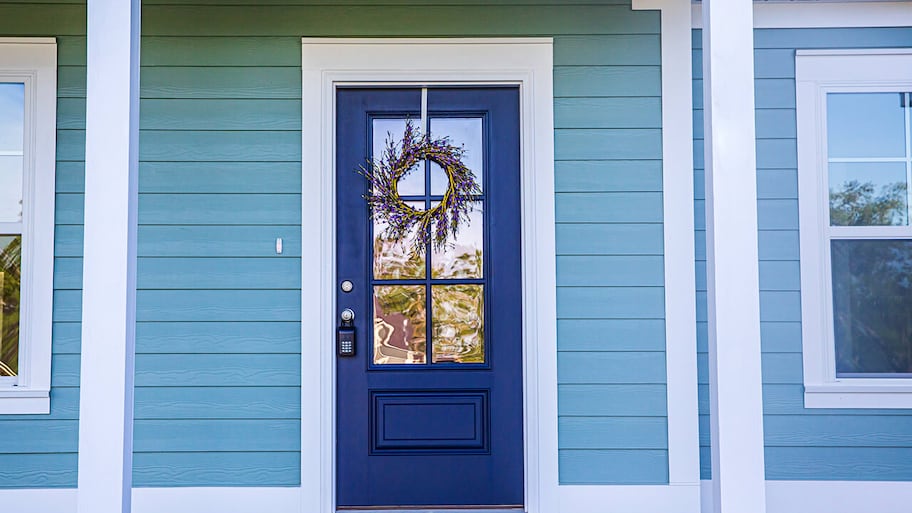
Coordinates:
column 386, row 130
column 400, row 321
column 458, row 323
column 10, row 263
column 464, row 256
column 872, row 298
column 395, row 259
column 12, row 123
column 868, row 193
column 864, row 125
column 465, row 132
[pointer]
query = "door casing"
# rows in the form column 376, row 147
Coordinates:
column 330, row 63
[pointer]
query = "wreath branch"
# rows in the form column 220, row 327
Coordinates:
column 436, row 225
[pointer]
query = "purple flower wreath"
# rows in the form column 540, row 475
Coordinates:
column 432, row 226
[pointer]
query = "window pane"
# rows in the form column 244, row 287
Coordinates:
column 868, row 193
column 10, row 263
column 458, row 323
column 396, row 260
column 12, row 117
column 865, row 125
column 400, row 320
column 872, row 301
column 386, row 130
column 12, row 112
column 463, row 257
column 465, row 132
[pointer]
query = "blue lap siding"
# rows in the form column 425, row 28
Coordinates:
column 824, row 444
column 218, row 333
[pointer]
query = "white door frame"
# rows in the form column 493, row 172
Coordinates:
column 328, row 63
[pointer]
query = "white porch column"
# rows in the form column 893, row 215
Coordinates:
column 735, row 392
column 109, row 269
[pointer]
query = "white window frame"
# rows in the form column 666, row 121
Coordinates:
column 819, row 72
column 33, row 62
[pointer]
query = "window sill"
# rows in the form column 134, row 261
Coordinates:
column 886, row 394
column 24, row 402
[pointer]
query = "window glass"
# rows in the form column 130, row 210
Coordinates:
column 464, row 257
column 400, row 324
column 386, row 130
column 458, row 331
column 12, row 112
column 872, row 301
column 866, row 125
column 10, row 264
column 465, row 133
column 868, row 193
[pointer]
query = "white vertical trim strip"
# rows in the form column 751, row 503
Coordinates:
column 733, row 285
column 109, row 266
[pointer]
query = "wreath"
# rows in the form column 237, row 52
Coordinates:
column 435, row 225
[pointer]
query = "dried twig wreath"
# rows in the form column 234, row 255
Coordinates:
column 432, row 226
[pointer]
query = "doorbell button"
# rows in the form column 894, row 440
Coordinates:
column 347, row 286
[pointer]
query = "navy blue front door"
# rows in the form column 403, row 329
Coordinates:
column 429, row 408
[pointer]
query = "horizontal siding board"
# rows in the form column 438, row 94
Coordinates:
column 69, row 209
column 391, row 20
column 218, row 273
column 608, row 50
column 217, row 370
column 609, row 239
column 591, row 466
column 781, row 337
column 71, row 81
column 231, row 146
column 70, row 177
column 173, row 469
column 610, row 270
column 218, row 305
column 38, row 19
column 612, row 433
column 606, row 81
column 827, row 38
column 780, row 306
column 67, row 273
column 216, row 241
column 777, row 183
column 220, row 177
column 66, row 337
column 608, row 176
column 609, row 207
column 780, row 276
column 219, row 114
column 610, row 303
column 839, row 463
column 70, row 145
column 219, row 83
column 222, row 435
column 610, row 335
column 837, row 431
column 594, row 144
column 37, row 436
column 778, row 244
column 220, row 209
column 37, row 470
column 788, row 399
column 595, row 368
column 608, row 113
column 227, row 51
column 218, row 337
column 218, row 403
column 611, row 400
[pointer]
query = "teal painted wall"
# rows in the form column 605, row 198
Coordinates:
column 39, row 451
column 220, row 151
column 838, row 444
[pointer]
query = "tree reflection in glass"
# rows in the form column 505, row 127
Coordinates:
column 868, row 194
column 872, row 298
column 463, row 256
column 395, row 259
column 10, row 263
column 400, row 324
column 458, row 326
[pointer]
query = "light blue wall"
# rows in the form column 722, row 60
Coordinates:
column 220, row 147
column 218, row 333
column 39, row 451
column 800, row 443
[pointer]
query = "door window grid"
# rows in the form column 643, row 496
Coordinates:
column 430, row 281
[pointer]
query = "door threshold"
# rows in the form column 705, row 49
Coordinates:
column 432, row 509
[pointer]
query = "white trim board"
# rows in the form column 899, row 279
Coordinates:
column 831, row 496
column 680, row 279
column 824, row 14
column 157, row 500
column 526, row 62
